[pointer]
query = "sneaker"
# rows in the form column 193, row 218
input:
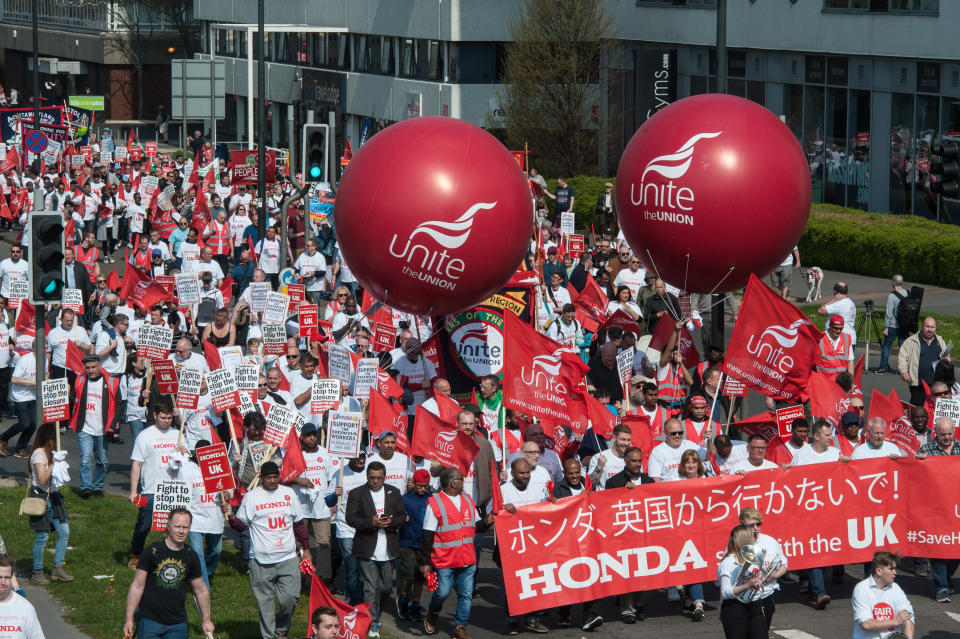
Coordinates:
column 374, row 632
column 133, row 562
column 3, row 449
column 535, row 625
column 22, row 454
column 513, row 628
column 698, row 613
column 85, row 493
column 403, row 606
column 628, row 617
column 819, row 602
column 591, row 624
column 415, row 612
column 563, row 622
column 673, row 594
column 942, row 597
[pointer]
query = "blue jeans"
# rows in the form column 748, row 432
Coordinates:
column 352, row 577
column 62, row 528
column 887, row 345
column 26, row 424
column 150, row 629
column 93, row 452
column 142, row 528
column 942, row 571
column 209, row 558
column 695, row 592
column 136, row 426
column 816, row 582
column 462, row 578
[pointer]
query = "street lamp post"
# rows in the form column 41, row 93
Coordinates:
column 261, row 129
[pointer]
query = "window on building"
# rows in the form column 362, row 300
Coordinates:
column 906, row 170
column 883, row 6
column 836, row 154
column 318, row 49
column 926, row 133
column 678, row 3
column 338, row 51
column 858, row 148
column 476, row 62
column 813, row 142
column 375, row 54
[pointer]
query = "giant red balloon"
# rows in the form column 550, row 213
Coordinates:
column 433, row 215
column 710, row 189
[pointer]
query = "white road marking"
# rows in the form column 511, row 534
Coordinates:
column 953, row 615
column 799, row 634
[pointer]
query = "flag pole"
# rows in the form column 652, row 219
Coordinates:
column 713, row 405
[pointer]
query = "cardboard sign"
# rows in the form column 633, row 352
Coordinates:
column 151, row 149
column 169, row 283
column 223, row 389
column 575, row 245
column 246, row 405
column 339, row 364
column 345, row 430
column 307, row 315
column 258, row 295
column 136, row 153
column 188, row 391
column 188, row 289
column 280, row 419
column 384, row 337
column 55, row 399
column 171, row 493
column 19, row 290
column 230, row 356
column 733, row 387
column 73, row 299
column 154, row 342
column 87, row 153
column 274, row 339
column 947, row 408
column 296, row 293
column 106, row 157
column 148, row 184
column 215, row 468
column 247, row 378
column 625, row 365
column 324, row 395
column 76, row 161
column 785, row 417
column 275, row 310
column 165, row 376
column 566, row 223
column 366, row 377
column 121, row 153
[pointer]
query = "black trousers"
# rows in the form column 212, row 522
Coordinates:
column 743, row 621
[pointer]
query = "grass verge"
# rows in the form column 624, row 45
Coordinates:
column 100, row 532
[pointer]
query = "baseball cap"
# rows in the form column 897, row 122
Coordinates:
column 269, row 468
column 849, row 417
column 157, row 252
column 386, row 433
column 308, row 429
column 836, row 321
column 608, row 185
column 422, row 476
column 697, row 400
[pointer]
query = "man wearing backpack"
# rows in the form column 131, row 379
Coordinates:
column 918, row 357
column 892, row 324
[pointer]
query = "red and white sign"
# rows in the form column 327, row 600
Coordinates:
column 136, row 153
column 55, row 400
column 151, row 149
column 170, row 494
column 733, row 387
column 243, row 167
column 384, row 337
column 307, row 316
column 345, row 430
column 223, row 389
column 274, row 339
column 169, row 283
column 73, row 299
column 247, row 376
column 295, row 293
column 600, row 544
column 215, row 468
column 154, row 342
column 188, row 390
column 785, row 417
column 324, row 395
column 280, row 420
column 165, row 376
column 275, row 309
column 575, row 245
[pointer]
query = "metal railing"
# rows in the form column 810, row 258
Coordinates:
column 83, row 15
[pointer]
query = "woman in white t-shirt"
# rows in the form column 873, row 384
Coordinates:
column 624, row 303
column 131, row 385
column 42, row 485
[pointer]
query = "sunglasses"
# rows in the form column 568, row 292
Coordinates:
column 675, row 433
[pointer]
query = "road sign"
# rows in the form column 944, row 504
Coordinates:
column 199, row 84
column 35, row 141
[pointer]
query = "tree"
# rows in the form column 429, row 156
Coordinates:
column 552, row 81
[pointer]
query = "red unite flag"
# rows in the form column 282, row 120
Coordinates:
column 354, row 620
column 592, row 302
column 899, row 429
column 385, row 415
column 443, row 442
column 774, row 345
column 827, row 399
column 684, row 342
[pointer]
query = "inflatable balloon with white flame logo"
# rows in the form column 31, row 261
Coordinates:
column 710, row 189
column 433, row 215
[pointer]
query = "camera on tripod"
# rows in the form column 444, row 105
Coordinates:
column 868, row 305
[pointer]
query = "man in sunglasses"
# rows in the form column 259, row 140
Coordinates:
column 665, row 458
column 12, row 268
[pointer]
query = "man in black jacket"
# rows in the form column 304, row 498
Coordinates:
column 632, row 475
column 376, row 512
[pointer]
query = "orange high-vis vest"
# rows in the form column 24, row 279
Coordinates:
column 219, row 240
column 88, row 257
column 834, row 360
column 453, row 541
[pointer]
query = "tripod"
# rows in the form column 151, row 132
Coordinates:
column 866, row 322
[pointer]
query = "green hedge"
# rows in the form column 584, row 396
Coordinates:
column 586, row 190
column 880, row 245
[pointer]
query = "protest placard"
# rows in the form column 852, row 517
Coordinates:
column 274, row 339
column 308, row 317
column 223, row 389
column 339, row 363
column 566, row 223
column 324, row 395
column 188, row 390
column 785, row 417
column 55, row 399
column 280, row 419
column 170, row 494
column 575, row 245
column 120, row 152
column 73, row 299
column 19, row 290
column 165, row 375
column 733, row 387
column 258, row 295
column 148, row 184
column 188, row 289
column 296, row 294
column 151, row 151
column 106, row 157
column 625, row 365
column 345, row 429
column 215, row 468
column 169, row 283
column 947, row 408
column 275, row 310
column 384, row 337
column 154, row 342
column 246, row 405
column 230, row 356
column 366, row 376
column 247, row 377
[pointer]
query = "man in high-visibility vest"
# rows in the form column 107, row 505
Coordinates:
column 449, row 525
column 836, row 349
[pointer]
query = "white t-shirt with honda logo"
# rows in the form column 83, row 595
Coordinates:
column 320, row 466
column 93, row 417
column 18, row 619
column 399, row 469
column 153, row 449
column 270, row 516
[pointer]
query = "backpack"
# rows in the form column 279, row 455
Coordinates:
column 908, row 313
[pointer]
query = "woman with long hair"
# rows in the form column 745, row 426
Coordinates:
column 131, row 384
column 42, row 486
column 691, row 467
column 741, row 619
column 624, row 303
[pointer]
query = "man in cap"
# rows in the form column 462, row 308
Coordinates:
column 605, row 208
column 412, row 578
column 398, row 466
column 836, row 349
column 311, row 488
column 849, row 437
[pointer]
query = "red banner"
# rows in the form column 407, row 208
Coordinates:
column 621, row 319
column 215, row 468
column 773, row 346
column 354, row 621
column 541, row 377
column 307, row 317
column 592, row 302
column 384, row 337
column 605, row 543
column 243, row 167
column 442, row 442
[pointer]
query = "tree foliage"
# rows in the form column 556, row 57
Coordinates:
column 552, row 82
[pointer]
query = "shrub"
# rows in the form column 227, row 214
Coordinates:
column 881, row 245
column 586, row 190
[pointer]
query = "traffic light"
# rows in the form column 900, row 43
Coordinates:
column 46, row 258
column 947, row 168
column 314, row 167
